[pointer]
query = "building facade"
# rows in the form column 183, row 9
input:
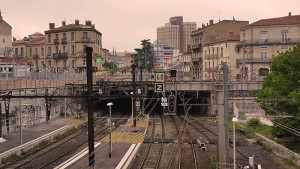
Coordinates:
column 203, row 46
column 262, row 40
column 5, row 38
column 65, row 46
column 176, row 33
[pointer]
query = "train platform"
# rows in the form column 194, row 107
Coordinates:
column 31, row 136
column 126, row 141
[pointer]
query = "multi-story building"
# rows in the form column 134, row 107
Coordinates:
column 31, row 48
column 176, row 33
column 5, row 38
column 262, row 40
column 65, row 46
column 208, row 46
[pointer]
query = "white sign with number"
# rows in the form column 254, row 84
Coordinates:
column 159, row 76
column 164, row 101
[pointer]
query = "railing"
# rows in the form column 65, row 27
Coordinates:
column 36, row 56
column 216, row 55
column 64, row 40
column 199, row 46
column 85, row 40
column 266, row 60
column 270, row 41
column 56, row 41
column 60, row 56
column 281, row 151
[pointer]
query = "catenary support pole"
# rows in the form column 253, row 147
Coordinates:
column 21, row 134
column 6, row 106
column 89, row 73
column 223, row 141
column 0, row 120
column 133, row 94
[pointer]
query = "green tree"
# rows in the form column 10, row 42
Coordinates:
column 283, row 81
column 109, row 65
column 144, row 56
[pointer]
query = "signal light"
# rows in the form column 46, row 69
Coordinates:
column 171, row 105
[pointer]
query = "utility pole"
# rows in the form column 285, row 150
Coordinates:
column 133, row 94
column 47, row 106
column 89, row 72
column 223, row 141
column 0, row 120
column 6, row 106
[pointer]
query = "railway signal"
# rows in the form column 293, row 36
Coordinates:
column 173, row 73
column 172, row 102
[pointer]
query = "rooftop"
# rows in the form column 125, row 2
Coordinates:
column 19, row 61
column 286, row 20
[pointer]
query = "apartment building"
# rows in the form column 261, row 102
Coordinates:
column 5, row 38
column 208, row 45
column 262, row 40
column 176, row 33
column 65, row 46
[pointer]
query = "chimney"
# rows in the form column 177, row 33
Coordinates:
column 14, row 39
column 77, row 22
column 63, row 23
column 0, row 14
column 93, row 26
column 88, row 23
column 211, row 22
column 51, row 26
column 203, row 25
column 290, row 13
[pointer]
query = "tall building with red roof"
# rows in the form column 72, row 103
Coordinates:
column 263, row 39
column 64, row 46
column 5, row 38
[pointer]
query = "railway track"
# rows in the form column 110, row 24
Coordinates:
column 45, row 157
column 154, row 150
column 187, row 157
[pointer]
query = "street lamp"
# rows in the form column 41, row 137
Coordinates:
column 109, row 123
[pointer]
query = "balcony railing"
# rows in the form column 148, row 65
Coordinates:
column 64, row 40
column 216, row 55
column 36, row 56
column 56, row 41
column 198, row 46
column 270, row 41
column 85, row 40
column 60, row 55
column 257, row 61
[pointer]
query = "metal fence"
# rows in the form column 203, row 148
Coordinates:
column 281, row 151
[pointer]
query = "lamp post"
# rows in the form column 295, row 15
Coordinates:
column 234, row 119
column 109, row 123
column 132, row 107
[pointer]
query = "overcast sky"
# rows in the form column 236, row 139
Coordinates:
column 123, row 23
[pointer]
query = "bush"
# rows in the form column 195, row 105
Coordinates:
column 10, row 158
column 253, row 122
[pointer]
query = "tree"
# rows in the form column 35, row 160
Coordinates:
column 283, row 81
column 144, row 56
column 109, row 65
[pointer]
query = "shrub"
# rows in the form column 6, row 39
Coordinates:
column 10, row 158
column 253, row 122
column 213, row 161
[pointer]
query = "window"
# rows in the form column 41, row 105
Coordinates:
column 16, row 52
column 3, row 40
column 244, row 36
column 65, row 63
column 49, row 50
column 64, row 35
column 84, row 62
column 36, row 51
column 263, row 36
column 73, row 49
column 284, row 49
column 72, row 35
column 85, row 35
column 73, row 63
column 64, row 49
column 22, row 50
column 56, row 49
column 56, row 36
column 43, row 64
column 42, row 51
column 263, row 53
column 49, row 38
column 30, row 52
column 284, row 37
column 221, row 52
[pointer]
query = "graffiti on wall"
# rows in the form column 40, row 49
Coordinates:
column 5, row 52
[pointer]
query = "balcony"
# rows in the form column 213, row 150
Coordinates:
column 64, row 40
column 270, row 41
column 60, row 55
column 85, row 40
column 254, row 61
column 36, row 56
column 216, row 55
column 56, row 41
column 197, row 47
